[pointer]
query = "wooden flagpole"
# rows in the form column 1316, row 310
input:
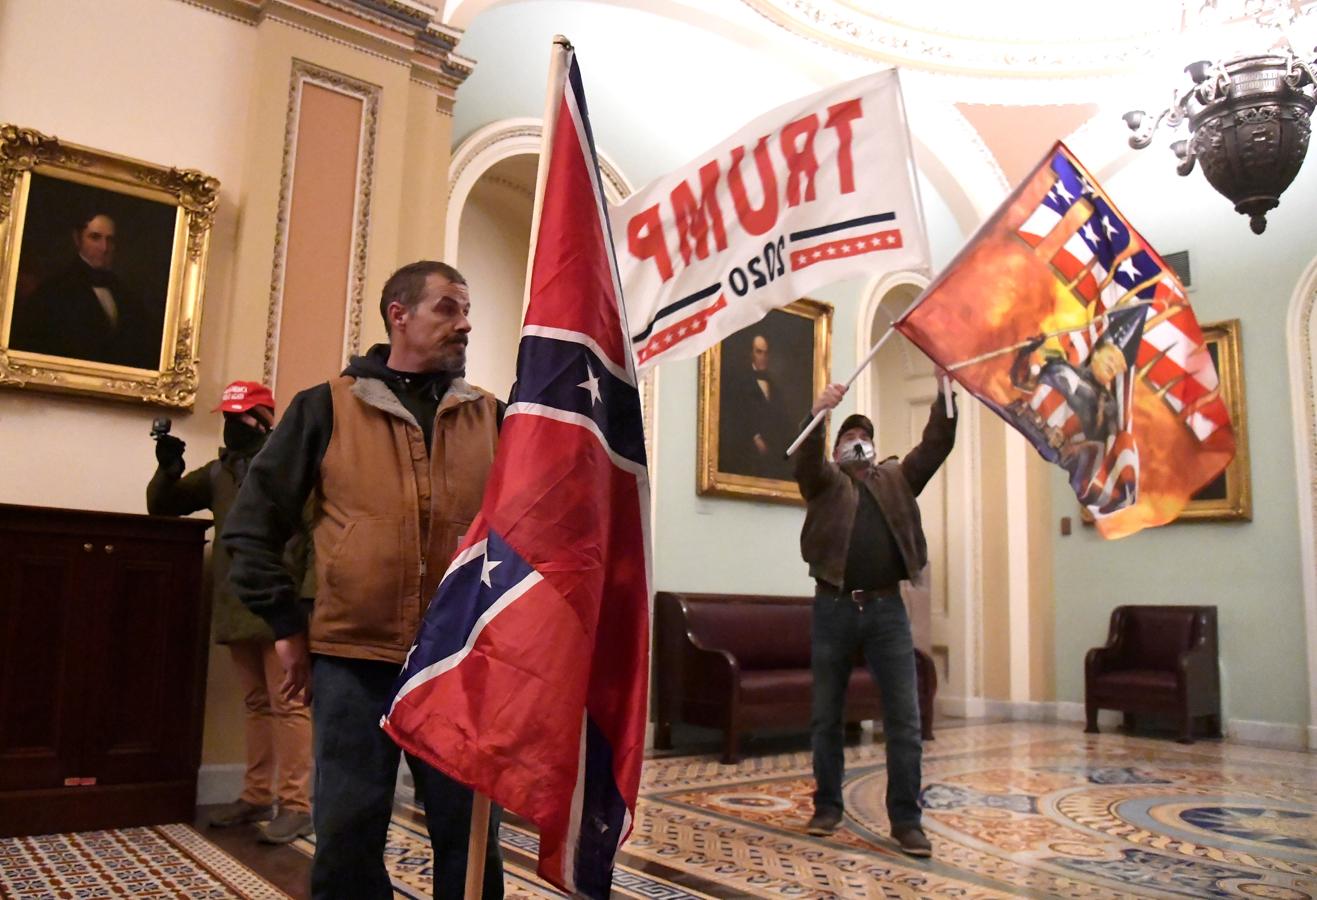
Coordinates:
column 548, row 127
column 478, row 846
column 1048, row 336
column 478, row 842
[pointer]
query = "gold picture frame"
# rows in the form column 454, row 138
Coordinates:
column 747, row 418
column 1230, row 496
column 76, row 317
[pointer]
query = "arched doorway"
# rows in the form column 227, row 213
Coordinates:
column 896, row 392
column 1302, row 339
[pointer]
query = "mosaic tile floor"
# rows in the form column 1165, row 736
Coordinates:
column 1013, row 810
column 163, row 861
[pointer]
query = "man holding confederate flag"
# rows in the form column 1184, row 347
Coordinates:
column 397, row 450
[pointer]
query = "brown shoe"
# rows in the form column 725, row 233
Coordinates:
column 239, row 812
column 912, row 840
column 825, row 822
column 286, row 827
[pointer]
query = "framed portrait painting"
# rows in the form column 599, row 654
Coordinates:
column 1229, row 496
column 102, row 264
column 756, row 386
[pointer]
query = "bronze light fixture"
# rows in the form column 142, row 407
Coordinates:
column 1248, row 123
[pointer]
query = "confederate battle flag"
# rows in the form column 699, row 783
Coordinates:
column 1062, row 319
column 528, row 681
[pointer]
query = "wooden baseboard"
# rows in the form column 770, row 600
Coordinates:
column 56, row 810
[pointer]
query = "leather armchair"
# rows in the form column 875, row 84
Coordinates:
column 1157, row 660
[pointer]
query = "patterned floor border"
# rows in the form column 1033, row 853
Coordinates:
column 160, row 861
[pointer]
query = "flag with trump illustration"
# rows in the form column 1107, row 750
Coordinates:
column 528, row 680
column 1064, row 321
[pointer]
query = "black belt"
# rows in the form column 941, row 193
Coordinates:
column 863, row 598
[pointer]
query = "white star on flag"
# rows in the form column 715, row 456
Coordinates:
column 1089, row 234
column 1128, row 268
column 486, row 567
column 1111, row 229
column 1063, row 192
column 591, row 384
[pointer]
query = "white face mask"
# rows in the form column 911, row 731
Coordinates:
column 856, row 452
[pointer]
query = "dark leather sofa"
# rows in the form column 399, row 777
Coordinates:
column 1157, row 660
column 740, row 662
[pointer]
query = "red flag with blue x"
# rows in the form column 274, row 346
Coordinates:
column 528, row 680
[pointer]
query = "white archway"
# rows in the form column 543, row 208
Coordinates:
column 1301, row 336
column 490, row 145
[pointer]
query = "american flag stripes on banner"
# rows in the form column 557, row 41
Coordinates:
column 1069, row 325
column 528, row 680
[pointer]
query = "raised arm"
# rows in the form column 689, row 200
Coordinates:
column 170, row 492
column 920, row 464
column 813, row 470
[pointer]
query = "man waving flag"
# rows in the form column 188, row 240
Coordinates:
column 528, row 680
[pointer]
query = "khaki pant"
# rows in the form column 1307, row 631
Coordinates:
column 278, row 732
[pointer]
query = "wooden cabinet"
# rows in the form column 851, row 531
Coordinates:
column 103, row 641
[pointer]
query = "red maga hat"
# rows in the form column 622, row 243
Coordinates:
column 241, row 396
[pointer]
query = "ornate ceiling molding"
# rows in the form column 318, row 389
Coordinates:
column 977, row 40
column 409, row 33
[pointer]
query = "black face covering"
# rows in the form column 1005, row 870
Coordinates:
column 241, row 437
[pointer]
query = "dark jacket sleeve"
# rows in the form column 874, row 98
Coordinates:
column 812, row 469
column 269, row 510
column 169, row 495
column 922, row 462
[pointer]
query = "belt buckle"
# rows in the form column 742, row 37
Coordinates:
column 859, row 598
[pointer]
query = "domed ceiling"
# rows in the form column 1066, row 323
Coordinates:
column 1015, row 38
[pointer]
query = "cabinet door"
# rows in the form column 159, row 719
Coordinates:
column 40, row 705
column 141, row 662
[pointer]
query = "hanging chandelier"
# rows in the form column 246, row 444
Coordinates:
column 1248, row 116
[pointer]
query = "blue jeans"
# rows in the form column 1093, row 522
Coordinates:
column 356, row 770
column 882, row 631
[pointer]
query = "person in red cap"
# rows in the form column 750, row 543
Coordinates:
column 278, row 729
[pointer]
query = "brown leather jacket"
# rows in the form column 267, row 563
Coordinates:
column 832, row 495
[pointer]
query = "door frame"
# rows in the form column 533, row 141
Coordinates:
column 1301, row 337
column 964, row 539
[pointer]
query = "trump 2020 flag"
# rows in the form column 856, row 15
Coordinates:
column 812, row 192
column 1061, row 318
column 528, row 680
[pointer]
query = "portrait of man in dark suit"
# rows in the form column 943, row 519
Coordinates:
column 765, row 379
column 72, row 299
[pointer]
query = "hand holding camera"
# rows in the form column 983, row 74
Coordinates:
column 168, row 449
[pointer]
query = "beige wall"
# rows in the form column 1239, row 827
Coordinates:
column 996, row 600
column 175, row 84
column 86, row 71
